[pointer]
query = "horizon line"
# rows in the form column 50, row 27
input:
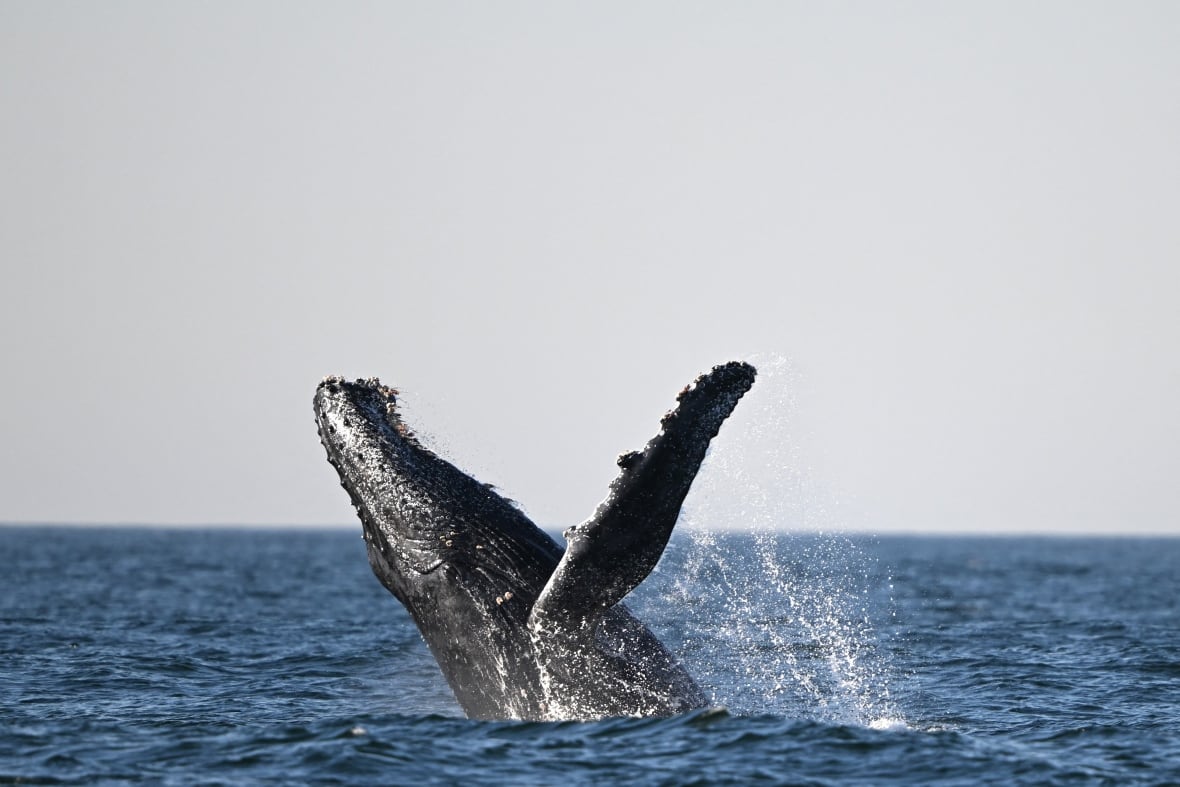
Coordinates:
column 557, row 529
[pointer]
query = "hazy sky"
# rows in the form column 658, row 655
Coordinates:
column 958, row 223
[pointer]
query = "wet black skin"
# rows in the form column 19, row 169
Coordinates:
column 520, row 627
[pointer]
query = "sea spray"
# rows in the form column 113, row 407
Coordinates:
column 773, row 594
column 794, row 615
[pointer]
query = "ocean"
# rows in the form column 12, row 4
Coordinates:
column 169, row 656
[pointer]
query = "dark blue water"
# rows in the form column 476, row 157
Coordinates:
column 161, row 656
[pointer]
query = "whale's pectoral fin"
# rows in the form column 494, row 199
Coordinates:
column 608, row 556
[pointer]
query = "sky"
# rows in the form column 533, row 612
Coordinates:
column 948, row 233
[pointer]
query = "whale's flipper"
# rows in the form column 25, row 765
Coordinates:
column 609, row 555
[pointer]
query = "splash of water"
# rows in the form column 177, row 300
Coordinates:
column 782, row 605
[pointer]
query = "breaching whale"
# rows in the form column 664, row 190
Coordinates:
column 520, row 628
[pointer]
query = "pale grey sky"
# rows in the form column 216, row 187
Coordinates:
column 959, row 223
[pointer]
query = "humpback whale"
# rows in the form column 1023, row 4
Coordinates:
column 521, row 628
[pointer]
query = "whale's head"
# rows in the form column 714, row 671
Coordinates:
column 420, row 514
column 385, row 472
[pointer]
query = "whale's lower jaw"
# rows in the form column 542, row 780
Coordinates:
column 520, row 629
